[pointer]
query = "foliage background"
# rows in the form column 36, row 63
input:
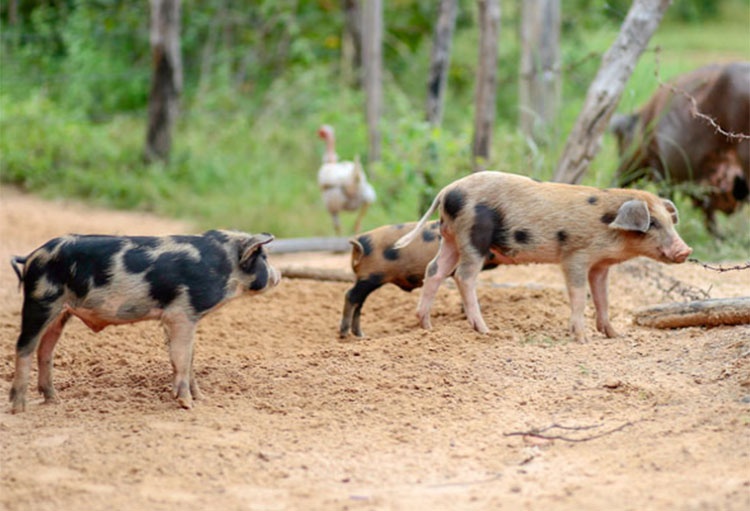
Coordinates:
column 261, row 75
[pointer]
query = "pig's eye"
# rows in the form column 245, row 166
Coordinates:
column 654, row 224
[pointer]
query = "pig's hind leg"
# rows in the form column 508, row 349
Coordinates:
column 45, row 354
column 180, row 334
column 466, row 280
column 39, row 320
column 598, row 284
column 440, row 268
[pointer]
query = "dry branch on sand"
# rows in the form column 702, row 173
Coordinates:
column 719, row 311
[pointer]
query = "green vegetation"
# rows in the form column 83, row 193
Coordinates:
column 74, row 91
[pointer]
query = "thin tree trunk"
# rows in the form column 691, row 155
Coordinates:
column 484, row 114
column 351, row 45
column 440, row 60
column 539, row 83
column 166, row 79
column 12, row 12
column 604, row 92
column 372, row 41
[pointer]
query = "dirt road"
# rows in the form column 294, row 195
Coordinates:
column 406, row 419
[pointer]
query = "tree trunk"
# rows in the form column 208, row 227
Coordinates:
column 166, row 78
column 539, row 83
column 12, row 12
column 351, row 44
column 440, row 60
column 372, row 41
column 719, row 311
column 484, row 112
column 605, row 91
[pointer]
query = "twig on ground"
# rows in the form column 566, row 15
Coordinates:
column 538, row 433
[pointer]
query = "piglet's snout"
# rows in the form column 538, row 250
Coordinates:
column 678, row 251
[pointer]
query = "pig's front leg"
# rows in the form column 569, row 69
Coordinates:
column 180, row 332
column 575, row 279
column 598, row 284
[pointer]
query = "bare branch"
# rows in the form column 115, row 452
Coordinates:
column 720, row 268
column 693, row 104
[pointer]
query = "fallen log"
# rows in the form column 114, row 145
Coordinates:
column 323, row 244
column 714, row 312
column 330, row 275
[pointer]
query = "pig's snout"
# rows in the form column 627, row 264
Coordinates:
column 274, row 276
column 677, row 252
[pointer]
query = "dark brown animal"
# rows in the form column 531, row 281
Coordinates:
column 585, row 229
column 666, row 142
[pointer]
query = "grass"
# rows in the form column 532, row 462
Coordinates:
column 250, row 163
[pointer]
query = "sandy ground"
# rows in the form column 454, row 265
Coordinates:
column 406, row 419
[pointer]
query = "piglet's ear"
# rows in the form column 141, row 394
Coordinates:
column 633, row 215
column 253, row 244
column 672, row 210
column 357, row 251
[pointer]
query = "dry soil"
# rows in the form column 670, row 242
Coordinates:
column 405, row 419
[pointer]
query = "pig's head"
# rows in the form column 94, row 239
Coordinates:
column 648, row 223
column 255, row 272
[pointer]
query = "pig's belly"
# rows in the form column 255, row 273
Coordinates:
column 114, row 314
column 524, row 257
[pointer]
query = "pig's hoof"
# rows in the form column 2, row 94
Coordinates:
column 608, row 331
column 18, row 406
column 50, row 397
column 185, row 402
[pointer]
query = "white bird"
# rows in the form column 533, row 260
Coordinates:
column 343, row 184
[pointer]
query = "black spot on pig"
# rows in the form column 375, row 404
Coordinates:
column 399, row 226
column 522, row 236
column 414, row 281
column 391, row 254
column 454, row 202
column 429, row 236
column 256, row 265
column 137, row 259
column 93, row 256
column 217, row 235
column 592, row 200
column 34, row 317
column 366, row 242
column 562, row 237
column 489, row 230
column 608, row 218
column 363, row 287
column 432, row 268
column 205, row 280
column 434, row 226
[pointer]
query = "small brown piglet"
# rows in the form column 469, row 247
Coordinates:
column 375, row 262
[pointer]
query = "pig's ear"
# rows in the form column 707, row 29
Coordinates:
column 633, row 215
column 357, row 251
column 672, row 210
column 253, row 244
